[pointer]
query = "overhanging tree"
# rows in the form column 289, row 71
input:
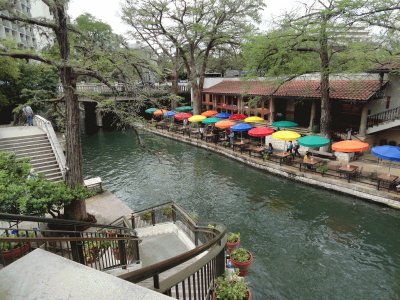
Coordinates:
column 322, row 38
column 193, row 28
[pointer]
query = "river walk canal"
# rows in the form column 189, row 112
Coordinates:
column 308, row 243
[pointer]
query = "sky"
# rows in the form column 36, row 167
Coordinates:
column 109, row 11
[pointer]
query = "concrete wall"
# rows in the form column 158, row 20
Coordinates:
column 392, row 134
column 392, row 91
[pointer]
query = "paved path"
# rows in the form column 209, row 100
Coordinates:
column 19, row 131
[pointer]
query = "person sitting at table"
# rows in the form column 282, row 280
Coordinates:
column 269, row 149
column 307, row 158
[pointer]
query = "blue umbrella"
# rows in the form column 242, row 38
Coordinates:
column 241, row 127
column 169, row 114
column 391, row 153
column 222, row 115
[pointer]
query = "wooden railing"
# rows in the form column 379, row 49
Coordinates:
column 388, row 115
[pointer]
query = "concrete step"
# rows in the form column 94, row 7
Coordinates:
column 50, row 166
column 24, row 146
column 31, row 152
column 50, row 172
column 55, row 178
column 37, row 156
column 43, row 162
column 29, row 138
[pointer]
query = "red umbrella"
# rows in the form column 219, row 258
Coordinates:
column 182, row 116
column 260, row 131
column 237, row 117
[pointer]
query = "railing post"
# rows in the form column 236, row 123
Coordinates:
column 196, row 238
column 173, row 214
column 122, row 253
column 133, row 221
column 153, row 217
column 77, row 249
column 220, row 263
column 136, row 245
column 156, row 281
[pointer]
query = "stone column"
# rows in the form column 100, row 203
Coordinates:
column 312, row 115
column 99, row 118
column 290, row 107
column 364, row 119
column 271, row 110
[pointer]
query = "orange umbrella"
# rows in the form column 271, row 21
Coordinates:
column 209, row 113
column 350, row 146
column 225, row 124
column 159, row 112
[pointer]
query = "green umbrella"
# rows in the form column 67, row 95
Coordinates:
column 150, row 110
column 184, row 108
column 313, row 141
column 284, row 124
column 210, row 121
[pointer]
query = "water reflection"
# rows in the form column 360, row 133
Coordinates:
column 308, row 243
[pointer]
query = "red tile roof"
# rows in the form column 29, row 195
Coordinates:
column 387, row 67
column 361, row 90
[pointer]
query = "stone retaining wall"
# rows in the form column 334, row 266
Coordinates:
column 356, row 189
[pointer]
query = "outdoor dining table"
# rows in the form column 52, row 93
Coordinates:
column 312, row 163
column 240, row 145
column 386, row 178
column 209, row 137
column 254, row 149
column 348, row 170
column 195, row 132
column 282, row 156
column 183, row 129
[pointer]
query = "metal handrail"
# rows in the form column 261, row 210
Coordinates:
column 384, row 116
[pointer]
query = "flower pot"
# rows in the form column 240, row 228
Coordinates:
column 249, row 296
column 230, row 246
column 16, row 252
column 243, row 266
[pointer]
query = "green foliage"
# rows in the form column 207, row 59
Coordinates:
column 233, row 237
column 167, row 211
column 20, row 194
column 322, row 169
column 231, row 286
column 146, row 216
column 240, row 255
column 4, row 246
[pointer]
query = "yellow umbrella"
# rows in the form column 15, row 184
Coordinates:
column 286, row 135
column 253, row 119
column 196, row 118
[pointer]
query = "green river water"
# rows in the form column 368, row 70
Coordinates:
column 308, row 243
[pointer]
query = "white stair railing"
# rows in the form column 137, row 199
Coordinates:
column 46, row 126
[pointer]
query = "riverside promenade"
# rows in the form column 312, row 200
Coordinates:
column 363, row 188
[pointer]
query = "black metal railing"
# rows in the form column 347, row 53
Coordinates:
column 101, row 246
column 207, row 258
column 388, row 115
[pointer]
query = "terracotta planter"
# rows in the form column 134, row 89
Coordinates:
column 243, row 266
column 230, row 246
column 249, row 296
column 16, row 252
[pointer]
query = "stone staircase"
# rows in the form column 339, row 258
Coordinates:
column 36, row 147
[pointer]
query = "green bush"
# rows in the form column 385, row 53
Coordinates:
column 32, row 196
column 231, row 286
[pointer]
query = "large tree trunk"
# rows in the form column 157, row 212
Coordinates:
column 325, row 123
column 196, row 97
column 74, row 175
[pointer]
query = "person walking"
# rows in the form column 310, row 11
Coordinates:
column 290, row 148
column 28, row 112
column 296, row 147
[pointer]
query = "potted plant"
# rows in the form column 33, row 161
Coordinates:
column 167, row 212
column 146, row 216
column 232, row 241
column 322, row 169
column 241, row 258
column 232, row 287
column 12, row 250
